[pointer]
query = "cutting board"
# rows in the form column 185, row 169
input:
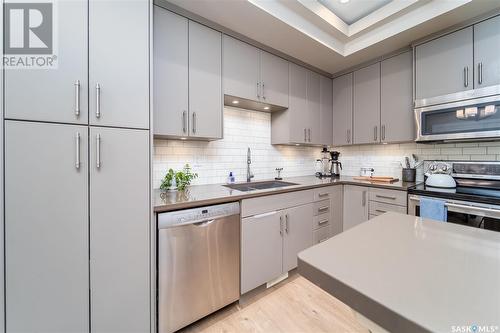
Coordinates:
column 377, row 179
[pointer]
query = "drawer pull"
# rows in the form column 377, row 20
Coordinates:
column 323, row 222
column 322, row 195
column 385, row 197
column 380, row 211
column 323, row 209
column 322, row 240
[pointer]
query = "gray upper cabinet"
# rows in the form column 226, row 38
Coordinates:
column 274, row 76
column 188, row 78
column 396, row 101
column 444, row 65
column 486, row 51
column 46, row 227
column 205, row 82
column 170, row 63
column 342, row 110
column 355, row 206
column 366, row 107
column 241, row 69
column 119, row 230
column 326, row 111
column 119, row 63
column 297, row 234
column 313, row 107
column 55, row 95
column 261, row 249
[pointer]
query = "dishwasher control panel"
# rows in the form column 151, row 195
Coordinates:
column 194, row 215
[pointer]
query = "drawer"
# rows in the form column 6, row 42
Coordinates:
column 379, row 208
column 269, row 203
column 327, row 192
column 322, row 220
column 321, row 207
column 321, row 234
column 388, row 196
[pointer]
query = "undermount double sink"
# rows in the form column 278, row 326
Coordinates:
column 245, row 187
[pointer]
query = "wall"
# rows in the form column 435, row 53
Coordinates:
column 243, row 128
column 213, row 160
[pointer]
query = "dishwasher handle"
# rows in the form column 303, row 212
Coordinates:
column 204, row 223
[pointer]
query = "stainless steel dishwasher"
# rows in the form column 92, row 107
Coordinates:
column 198, row 263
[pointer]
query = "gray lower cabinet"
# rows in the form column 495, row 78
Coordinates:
column 297, row 234
column 342, row 110
column 119, row 230
column 326, row 111
column 261, row 249
column 355, row 206
column 46, row 227
column 55, row 95
column 445, row 65
column 119, row 63
column 366, row 107
column 205, row 82
column 170, row 63
column 397, row 122
column 486, row 51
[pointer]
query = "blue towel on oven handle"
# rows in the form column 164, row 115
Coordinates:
column 433, row 209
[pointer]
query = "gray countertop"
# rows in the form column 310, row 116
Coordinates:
column 200, row 195
column 412, row 275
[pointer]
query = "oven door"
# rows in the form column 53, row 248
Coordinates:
column 472, row 119
column 476, row 215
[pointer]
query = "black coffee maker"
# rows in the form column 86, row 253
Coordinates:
column 336, row 165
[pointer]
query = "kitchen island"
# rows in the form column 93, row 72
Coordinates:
column 412, row 275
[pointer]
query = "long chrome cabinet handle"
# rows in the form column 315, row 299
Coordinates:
column 77, row 150
column 286, row 223
column 305, row 134
column 466, row 76
column 98, row 100
column 98, row 151
column 194, row 122
column 309, row 134
column 258, row 89
column 184, row 121
column 375, row 133
column 480, row 73
column 263, row 91
column 281, row 225
column 77, row 98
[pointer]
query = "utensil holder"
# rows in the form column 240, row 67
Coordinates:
column 409, row 175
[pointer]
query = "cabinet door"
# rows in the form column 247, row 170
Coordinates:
column 119, row 230
column 170, row 64
column 299, row 118
column 60, row 94
column 486, row 51
column 367, row 104
column 274, row 77
column 342, row 110
column 119, row 63
column 441, row 65
column 241, row 69
column 46, row 228
column 298, row 234
column 326, row 111
column 397, row 121
column 336, row 202
column 205, row 81
column 313, row 107
column 355, row 206
column 261, row 249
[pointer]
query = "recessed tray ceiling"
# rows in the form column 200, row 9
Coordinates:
column 353, row 10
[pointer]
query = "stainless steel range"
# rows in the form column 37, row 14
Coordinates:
column 475, row 201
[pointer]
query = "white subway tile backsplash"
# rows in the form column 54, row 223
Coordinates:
column 242, row 129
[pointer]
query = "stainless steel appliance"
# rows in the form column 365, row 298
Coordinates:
column 324, row 165
column 474, row 202
column 198, row 263
column 336, row 165
column 471, row 119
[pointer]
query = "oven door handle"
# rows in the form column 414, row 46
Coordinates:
column 480, row 211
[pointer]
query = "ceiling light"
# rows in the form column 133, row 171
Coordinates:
column 344, row 1
column 183, row 138
column 236, row 102
column 266, row 107
column 297, row 144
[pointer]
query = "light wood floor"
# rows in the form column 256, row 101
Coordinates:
column 294, row 305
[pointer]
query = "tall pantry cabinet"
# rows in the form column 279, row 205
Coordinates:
column 77, row 182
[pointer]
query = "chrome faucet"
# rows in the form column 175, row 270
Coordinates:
column 249, row 161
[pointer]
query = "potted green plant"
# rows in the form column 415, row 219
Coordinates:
column 178, row 180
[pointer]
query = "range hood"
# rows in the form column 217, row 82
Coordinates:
column 249, row 104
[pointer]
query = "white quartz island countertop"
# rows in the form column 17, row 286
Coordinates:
column 412, row 275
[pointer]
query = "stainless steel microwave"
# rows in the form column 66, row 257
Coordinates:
column 473, row 119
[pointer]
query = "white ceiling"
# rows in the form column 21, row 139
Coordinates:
column 294, row 27
column 353, row 10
